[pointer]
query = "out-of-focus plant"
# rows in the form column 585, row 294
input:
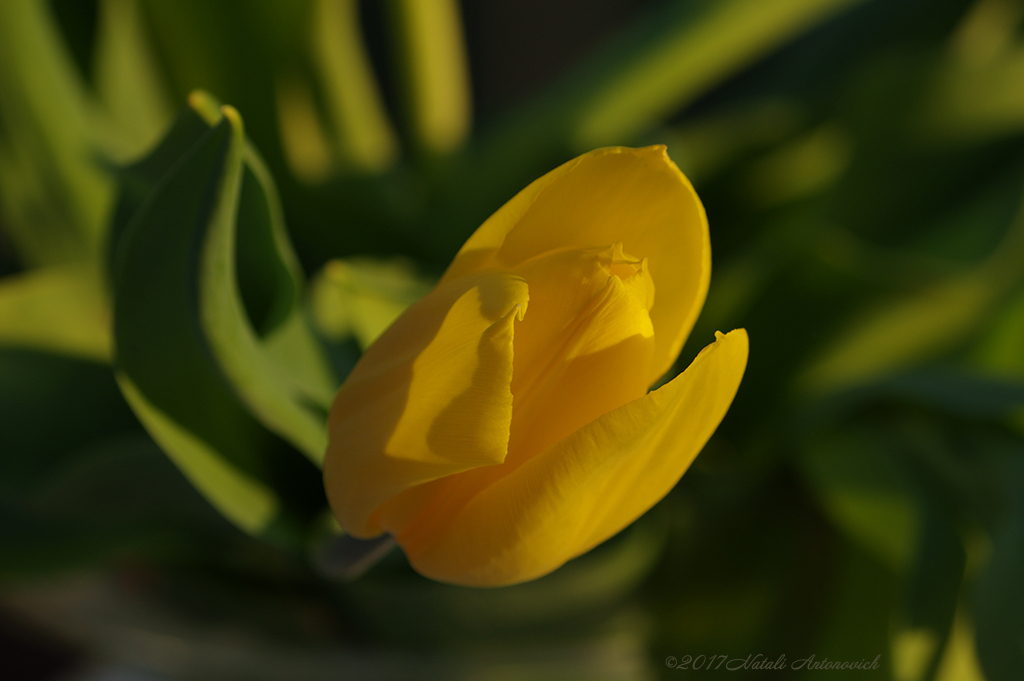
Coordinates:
column 860, row 162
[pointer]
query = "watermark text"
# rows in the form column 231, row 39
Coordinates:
column 760, row 661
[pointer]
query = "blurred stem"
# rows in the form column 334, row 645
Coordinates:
column 344, row 558
column 432, row 53
column 363, row 132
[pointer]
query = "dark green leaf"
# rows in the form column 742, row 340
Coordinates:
column 999, row 595
column 166, row 360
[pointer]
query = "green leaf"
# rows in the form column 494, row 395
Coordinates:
column 953, row 391
column 128, row 80
column 667, row 60
column 361, row 297
column 999, row 594
column 857, row 624
column 78, row 477
column 903, row 334
column 285, row 397
column 690, row 57
column 163, row 365
column 53, row 192
column 179, row 314
column 934, row 584
column 1002, row 348
column 138, row 180
column 362, row 130
column 432, row 54
column 50, row 405
column 959, row 659
column 865, row 493
column 62, row 309
column 115, row 495
column 241, row 497
column 932, row 594
column 973, row 96
column 962, row 393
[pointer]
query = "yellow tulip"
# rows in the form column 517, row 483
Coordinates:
column 503, row 425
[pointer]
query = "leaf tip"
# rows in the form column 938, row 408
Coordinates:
column 206, row 105
column 233, row 117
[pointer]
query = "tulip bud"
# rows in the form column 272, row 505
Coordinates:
column 502, row 425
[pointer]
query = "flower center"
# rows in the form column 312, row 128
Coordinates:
column 583, row 348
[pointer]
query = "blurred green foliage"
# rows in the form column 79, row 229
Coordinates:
column 862, row 165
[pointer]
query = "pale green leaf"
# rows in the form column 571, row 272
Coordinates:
column 128, row 80
column 361, row 297
column 903, row 334
column 54, row 194
column 433, row 58
column 61, row 309
column 239, row 497
column 362, row 130
column 283, row 403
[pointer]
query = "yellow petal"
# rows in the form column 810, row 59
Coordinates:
column 590, row 485
column 634, row 196
column 585, row 347
column 582, row 350
column 431, row 397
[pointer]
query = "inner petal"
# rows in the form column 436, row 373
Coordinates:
column 584, row 348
